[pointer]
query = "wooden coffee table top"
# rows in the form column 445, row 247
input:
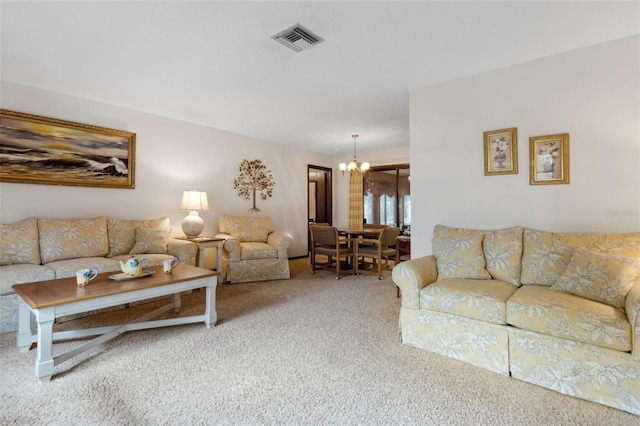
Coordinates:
column 41, row 294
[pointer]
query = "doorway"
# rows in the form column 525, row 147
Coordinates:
column 319, row 196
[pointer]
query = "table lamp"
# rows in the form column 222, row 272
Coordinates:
column 194, row 201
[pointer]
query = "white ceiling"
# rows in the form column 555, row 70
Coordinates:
column 214, row 63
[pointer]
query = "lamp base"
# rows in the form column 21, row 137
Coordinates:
column 192, row 225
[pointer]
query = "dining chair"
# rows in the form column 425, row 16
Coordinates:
column 377, row 249
column 325, row 241
column 371, row 226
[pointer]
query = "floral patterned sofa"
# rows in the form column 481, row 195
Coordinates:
column 559, row 310
column 252, row 250
column 36, row 249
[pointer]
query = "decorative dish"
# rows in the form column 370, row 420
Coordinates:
column 124, row 277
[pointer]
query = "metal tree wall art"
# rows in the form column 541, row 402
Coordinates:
column 253, row 177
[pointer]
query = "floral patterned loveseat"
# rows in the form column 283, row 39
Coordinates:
column 559, row 310
column 36, row 249
column 252, row 250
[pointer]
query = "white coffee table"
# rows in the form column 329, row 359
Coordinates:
column 48, row 300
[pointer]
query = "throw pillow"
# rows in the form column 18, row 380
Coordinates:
column 151, row 241
column 459, row 253
column 503, row 253
column 19, row 242
column 122, row 233
column 546, row 254
column 601, row 277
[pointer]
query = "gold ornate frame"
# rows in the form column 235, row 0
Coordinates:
column 549, row 159
column 501, row 152
column 41, row 150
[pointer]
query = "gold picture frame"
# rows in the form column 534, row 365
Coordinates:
column 501, row 152
column 549, row 159
column 48, row 151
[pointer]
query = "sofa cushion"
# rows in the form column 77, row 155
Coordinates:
column 623, row 244
column 19, row 242
column 122, row 232
column 601, row 277
column 546, row 254
column 68, row 267
column 483, row 300
column 459, row 253
column 253, row 250
column 151, row 240
column 547, row 311
column 72, row 238
column 22, row 273
column 503, row 253
column 246, row 228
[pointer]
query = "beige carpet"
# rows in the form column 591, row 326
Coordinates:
column 307, row 351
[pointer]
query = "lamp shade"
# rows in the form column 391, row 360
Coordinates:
column 194, row 200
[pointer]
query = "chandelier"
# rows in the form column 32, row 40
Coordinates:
column 353, row 165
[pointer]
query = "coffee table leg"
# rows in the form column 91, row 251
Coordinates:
column 44, row 360
column 177, row 302
column 210, row 314
column 24, row 327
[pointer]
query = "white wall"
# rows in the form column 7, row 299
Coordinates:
column 171, row 156
column 592, row 93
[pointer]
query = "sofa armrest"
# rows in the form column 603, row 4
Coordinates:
column 632, row 308
column 412, row 276
column 282, row 242
column 183, row 250
column 232, row 246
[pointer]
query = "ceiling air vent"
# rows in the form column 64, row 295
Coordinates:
column 297, row 38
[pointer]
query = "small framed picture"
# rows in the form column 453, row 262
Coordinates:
column 549, row 159
column 501, row 152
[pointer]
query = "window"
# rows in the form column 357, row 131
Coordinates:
column 368, row 208
column 387, row 198
column 387, row 210
column 406, row 210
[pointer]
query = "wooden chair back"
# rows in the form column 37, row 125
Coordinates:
column 324, row 235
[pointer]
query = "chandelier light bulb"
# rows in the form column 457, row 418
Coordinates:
column 353, row 165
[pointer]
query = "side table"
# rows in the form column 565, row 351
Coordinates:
column 403, row 247
column 204, row 243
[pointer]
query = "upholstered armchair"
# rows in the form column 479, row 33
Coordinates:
column 252, row 250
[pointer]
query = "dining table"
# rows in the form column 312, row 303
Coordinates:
column 357, row 232
column 360, row 231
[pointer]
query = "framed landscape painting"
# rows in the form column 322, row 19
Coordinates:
column 501, row 152
column 549, row 159
column 41, row 150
